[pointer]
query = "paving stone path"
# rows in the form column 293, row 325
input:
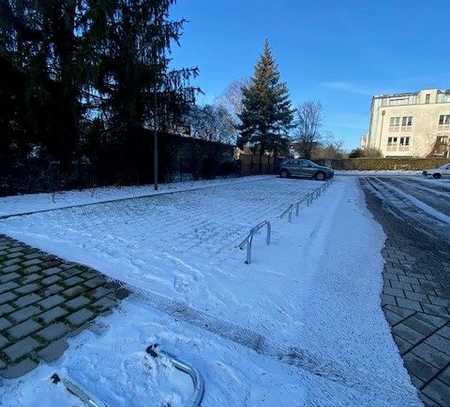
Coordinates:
column 43, row 301
column 416, row 302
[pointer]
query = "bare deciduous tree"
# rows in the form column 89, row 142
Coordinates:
column 329, row 148
column 309, row 122
column 212, row 123
column 231, row 98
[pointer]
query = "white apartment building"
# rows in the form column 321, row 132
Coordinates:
column 410, row 124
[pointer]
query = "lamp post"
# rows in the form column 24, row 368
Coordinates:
column 155, row 141
column 155, row 158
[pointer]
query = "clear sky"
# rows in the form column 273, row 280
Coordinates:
column 340, row 52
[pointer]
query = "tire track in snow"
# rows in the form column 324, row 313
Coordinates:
column 404, row 208
column 437, row 200
column 426, row 187
column 441, row 186
column 429, row 210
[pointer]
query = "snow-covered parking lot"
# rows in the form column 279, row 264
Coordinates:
column 310, row 300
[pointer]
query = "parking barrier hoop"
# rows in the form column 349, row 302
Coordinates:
column 75, row 389
column 197, row 379
column 90, row 401
column 247, row 242
column 288, row 211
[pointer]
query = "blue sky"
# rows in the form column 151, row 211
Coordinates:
column 338, row 52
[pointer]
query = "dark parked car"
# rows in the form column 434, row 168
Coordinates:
column 305, row 169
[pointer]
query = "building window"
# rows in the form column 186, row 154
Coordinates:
column 392, row 143
column 394, row 123
column 427, row 98
column 404, row 144
column 407, row 121
column 444, row 119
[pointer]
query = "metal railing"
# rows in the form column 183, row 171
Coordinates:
column 289, row 211
column 153, row 350
column 247, row 242
column 309, row 198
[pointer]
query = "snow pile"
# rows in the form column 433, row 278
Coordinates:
column 308, row 304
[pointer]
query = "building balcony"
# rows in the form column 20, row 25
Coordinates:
column 414, row 100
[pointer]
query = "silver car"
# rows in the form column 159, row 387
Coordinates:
column 305, row 169
column 443, row 171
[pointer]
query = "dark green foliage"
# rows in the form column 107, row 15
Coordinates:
column 366, row 153
column 356, row 153
column 80, row 77
column 267, row 113
column 131, row 65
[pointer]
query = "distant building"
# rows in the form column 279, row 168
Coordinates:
column 411, row 124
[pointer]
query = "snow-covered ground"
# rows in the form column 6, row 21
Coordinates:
column 377, row 172
column 18, row 204
column 308, row 304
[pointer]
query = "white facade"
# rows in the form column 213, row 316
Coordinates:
column 411, row 124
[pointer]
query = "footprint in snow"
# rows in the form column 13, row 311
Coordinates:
column 181, row 285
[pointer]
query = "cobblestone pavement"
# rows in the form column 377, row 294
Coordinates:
column 416, row 296
column 43, row 301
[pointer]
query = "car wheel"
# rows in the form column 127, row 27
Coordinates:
column 437, row 176
column 284, row 174
column 320, row 176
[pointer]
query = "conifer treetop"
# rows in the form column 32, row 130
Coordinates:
column 267, row 114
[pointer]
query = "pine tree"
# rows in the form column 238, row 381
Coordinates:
column 75, row 62
column 267, row 114
column 133, row 74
